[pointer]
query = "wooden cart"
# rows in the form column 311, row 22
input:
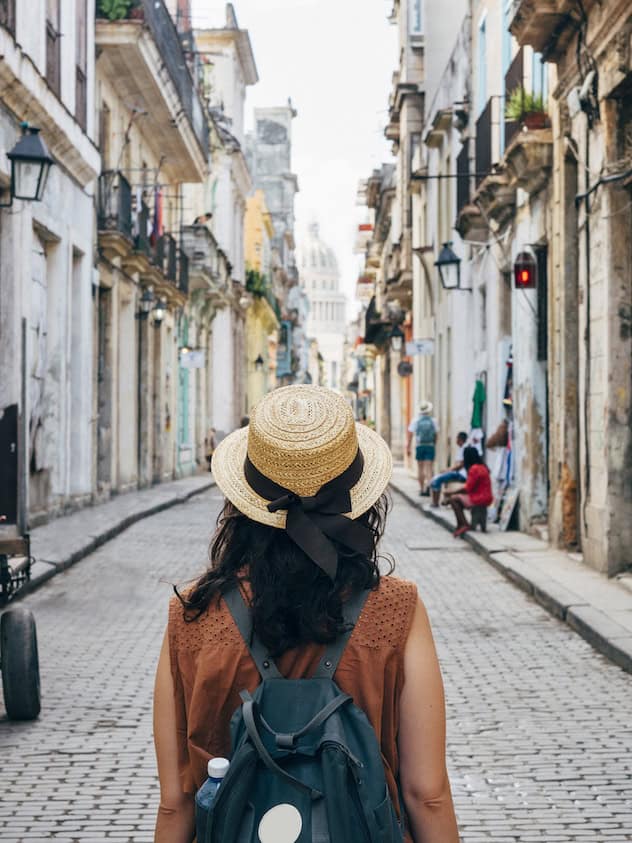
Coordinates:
column 18, row 637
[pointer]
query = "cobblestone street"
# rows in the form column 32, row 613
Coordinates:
column 540, row 726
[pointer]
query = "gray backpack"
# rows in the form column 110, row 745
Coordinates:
column 425, row 431
column 302, row 744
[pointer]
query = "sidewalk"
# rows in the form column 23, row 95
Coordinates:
column 62, row 542
column 599, row 609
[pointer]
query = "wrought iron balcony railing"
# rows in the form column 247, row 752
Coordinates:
column 483, row 144
column 514, row 81
column 114, row 203
column 463, row 178
column 166, row 256
column 183, row 272
column 159, row 22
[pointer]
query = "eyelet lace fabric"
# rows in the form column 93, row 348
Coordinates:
column 384, row 622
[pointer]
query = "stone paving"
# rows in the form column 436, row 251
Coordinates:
column 540, row 726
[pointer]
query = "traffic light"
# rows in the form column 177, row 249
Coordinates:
column 525, row 272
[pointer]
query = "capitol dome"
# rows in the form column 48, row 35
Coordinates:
column 320, row 278
column 315, row 256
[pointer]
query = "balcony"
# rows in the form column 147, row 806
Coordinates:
column 514, row 80
column 463, row 178
column 472, row 224
column 208, row 268
column 144, row 56
column 529, row 159
column 114, row 214
column 539, row 24
column 484, row 153
column 496, row 197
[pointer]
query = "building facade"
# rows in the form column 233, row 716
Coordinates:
column 320, row 279
column 228, row 67
column 270, row 160
column 517, row 175
column 587, row 53
column 153, row 139
column 47, row 276
column 262, row 316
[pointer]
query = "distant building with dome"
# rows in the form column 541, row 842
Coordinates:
column 320, row 279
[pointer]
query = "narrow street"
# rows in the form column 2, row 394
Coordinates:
column 538, row 722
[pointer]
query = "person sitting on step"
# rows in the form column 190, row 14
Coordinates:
column 476, row 491
column 454, row 474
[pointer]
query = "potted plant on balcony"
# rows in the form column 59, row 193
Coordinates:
column 527, row 108
column 113, row 9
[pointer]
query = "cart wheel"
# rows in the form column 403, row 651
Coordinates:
column 20, row 664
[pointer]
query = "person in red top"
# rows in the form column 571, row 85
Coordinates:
column 477, row 490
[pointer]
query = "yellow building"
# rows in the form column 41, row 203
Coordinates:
column 262, row 323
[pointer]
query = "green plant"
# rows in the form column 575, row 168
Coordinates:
column 114, row 9
column 256, row 283
column 522, row 102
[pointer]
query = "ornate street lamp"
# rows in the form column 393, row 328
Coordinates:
column 449, row 265
column 30, row 165
column 397, row 338
column 146, row 303
column 160, row 311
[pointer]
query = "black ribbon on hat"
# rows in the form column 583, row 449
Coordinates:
column 313, row 521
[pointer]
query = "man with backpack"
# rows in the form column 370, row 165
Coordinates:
column 424, row 429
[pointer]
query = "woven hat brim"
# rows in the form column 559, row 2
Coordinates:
column 228, row 471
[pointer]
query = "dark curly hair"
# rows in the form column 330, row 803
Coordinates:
column 293, row 601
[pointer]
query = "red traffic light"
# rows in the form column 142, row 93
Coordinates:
column 525, row 272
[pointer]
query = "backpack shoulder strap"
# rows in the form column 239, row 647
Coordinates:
column 351, row 611
column 241, row 615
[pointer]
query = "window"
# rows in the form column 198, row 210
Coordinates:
column 53, row 46
column 105, row 129
column 7, row 15
column 506, row 36
column 81, row 87
column 416, row 18
column 538, row 77
column 481, row 92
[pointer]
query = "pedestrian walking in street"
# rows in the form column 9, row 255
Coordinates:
column 476, row 491
column 454, row 474
column 424, row 430
column 295, row 585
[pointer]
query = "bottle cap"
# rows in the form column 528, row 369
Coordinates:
column 218, row 767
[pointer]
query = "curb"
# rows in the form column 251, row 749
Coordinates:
column 42, row 571
column 601, row 632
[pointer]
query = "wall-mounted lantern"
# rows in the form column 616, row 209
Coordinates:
column 526, row 271
column 259, row 363
column 449, row 265
column 160, row 311
column 30, row 165
column 397, row 339
column 146, row 303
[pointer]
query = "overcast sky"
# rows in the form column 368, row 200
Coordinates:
column 335, row 59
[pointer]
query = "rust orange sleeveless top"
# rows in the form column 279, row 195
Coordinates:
column 210, row 665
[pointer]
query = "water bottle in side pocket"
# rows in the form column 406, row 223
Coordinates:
column 217, row 769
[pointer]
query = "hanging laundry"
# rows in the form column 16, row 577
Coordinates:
column 157, row 229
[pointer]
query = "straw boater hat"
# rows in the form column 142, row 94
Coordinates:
column 305, row 466
column 425, row 408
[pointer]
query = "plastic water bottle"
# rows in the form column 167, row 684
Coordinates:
column 204, row 798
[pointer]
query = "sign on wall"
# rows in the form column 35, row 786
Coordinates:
column 415, row 347
column 193, row 359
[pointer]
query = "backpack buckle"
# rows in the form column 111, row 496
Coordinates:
column 285, row 741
